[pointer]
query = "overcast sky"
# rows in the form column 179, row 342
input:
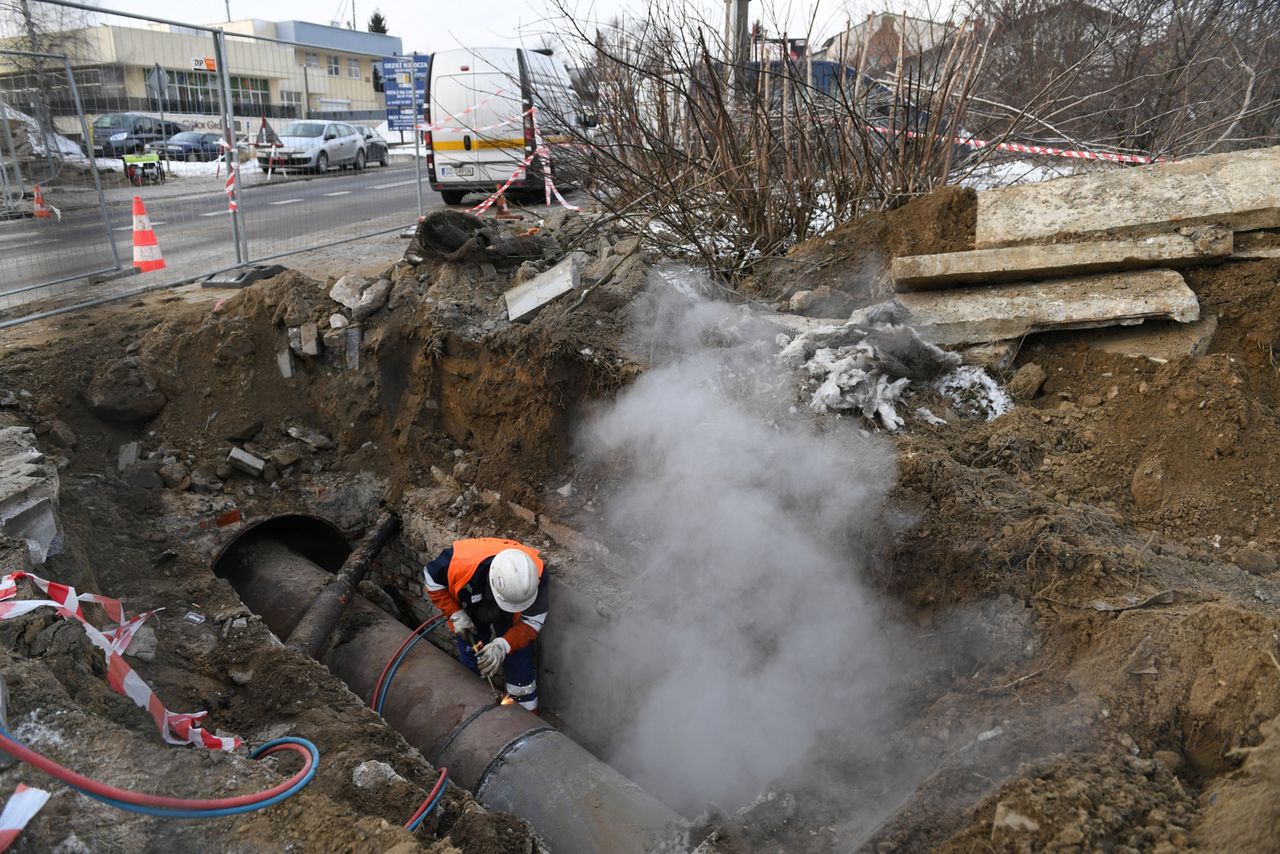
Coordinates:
column 429, row 25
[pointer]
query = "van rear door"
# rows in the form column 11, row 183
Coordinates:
column 476, row 108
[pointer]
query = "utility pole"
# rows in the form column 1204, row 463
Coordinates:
column 741, row 45
column 228, row 5
column 353, row 15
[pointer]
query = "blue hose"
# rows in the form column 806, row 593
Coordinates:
column 175, row 813
column 395, row 665
column 434, row 801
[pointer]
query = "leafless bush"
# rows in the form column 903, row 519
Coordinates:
column 729, row 157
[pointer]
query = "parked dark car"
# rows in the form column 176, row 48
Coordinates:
column 191, row 145
column 118, row 134
column 375, row 147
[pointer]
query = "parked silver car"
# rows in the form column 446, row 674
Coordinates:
column 315, row 145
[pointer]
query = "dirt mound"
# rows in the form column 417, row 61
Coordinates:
column 854, row 257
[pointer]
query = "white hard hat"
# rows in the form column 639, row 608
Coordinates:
column 513, row 578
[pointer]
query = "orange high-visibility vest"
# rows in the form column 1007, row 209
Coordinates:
column 469, row 554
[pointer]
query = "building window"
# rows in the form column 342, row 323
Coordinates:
column 193, row 92
column 353, row 68
column 249, row 92
column 334, row 68
column 312, row 60
column 290, row 99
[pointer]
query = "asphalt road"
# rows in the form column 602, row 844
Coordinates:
column 194, row 229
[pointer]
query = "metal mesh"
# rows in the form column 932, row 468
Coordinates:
column 160, row 110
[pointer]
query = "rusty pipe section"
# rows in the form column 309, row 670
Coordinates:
column 509, row 758
column 310, row 636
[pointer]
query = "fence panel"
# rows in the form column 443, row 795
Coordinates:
column 54, row 226
column 198, row 98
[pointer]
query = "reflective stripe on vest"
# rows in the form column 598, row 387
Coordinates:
column 469, row 554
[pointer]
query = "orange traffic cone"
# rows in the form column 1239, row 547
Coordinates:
column 41, row 209
column 146, row 251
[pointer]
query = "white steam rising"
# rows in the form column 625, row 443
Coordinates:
column 748, row 634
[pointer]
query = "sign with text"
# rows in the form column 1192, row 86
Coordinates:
column 401, row 76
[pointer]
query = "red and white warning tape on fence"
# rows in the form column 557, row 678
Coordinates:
column 21, row 807
column 174, row 728
column 230, row 187
column 548, row 186
column 1023, row 148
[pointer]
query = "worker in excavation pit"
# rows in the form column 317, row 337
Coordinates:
column 492, row 590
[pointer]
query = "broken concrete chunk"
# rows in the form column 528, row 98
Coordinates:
column 284, row 361
column 309, row 334
column 62, row 436
column 1030, row 263
column 317, row 440
column 295, row 339
column 627, row 245
column 1159, row 341
column 373, row 298
column 338, row 321
column 373, row 773
column 246, row 462
column 175, row 476
column 354, row 338
column 524, row 300
column 28, row 493
column 144, row 475
column 1026, row 382
column 127, row 456
column 1240, row 190
column 979, row 315
column 143, row 645
column 347, row 290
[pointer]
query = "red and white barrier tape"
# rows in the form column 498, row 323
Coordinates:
column 472, row 108
column 1022, row 148
column 174, row 728
column 21, row 807
column 515, row 176
column 438, row 128
column 548, row 186
column 230, row 187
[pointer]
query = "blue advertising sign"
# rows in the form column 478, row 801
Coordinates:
column 401, row 75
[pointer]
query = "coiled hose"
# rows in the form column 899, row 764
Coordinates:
column 166, row 807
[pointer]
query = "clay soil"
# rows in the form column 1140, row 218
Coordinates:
column 1090, row 579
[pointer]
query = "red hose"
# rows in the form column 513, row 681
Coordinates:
column 70, row 777
column 435, row 790
column 377, row 689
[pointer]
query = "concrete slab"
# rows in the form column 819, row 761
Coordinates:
column 1256, row 246
column 981, row 315
column 525, row 299
column 1240, row 190
column 1159, row 341
column 28, row 493
column 1198, row 245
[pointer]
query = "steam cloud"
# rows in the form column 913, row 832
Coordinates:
column 747, row 634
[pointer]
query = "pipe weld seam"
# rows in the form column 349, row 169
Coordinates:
column 510, row 746
column 436, row 753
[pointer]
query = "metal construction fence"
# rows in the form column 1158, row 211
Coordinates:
column 101, row 108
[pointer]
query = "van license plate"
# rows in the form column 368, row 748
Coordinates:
column 465, row 171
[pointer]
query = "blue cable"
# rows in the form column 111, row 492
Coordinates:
column 436, row 800
column 386, row 685
column 164, row 812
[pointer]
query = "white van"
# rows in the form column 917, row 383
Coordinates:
column 478, row 101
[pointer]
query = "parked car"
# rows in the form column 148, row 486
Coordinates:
column 375, row 147
column 315, row 145
column 118, row 134
column 192, row 145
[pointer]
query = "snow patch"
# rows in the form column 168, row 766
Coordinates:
column 974, row 393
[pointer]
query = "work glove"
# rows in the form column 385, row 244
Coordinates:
column 491, row 657
column 462, row 626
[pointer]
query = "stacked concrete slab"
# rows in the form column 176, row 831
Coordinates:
column 1092, row 250
column 28, row 493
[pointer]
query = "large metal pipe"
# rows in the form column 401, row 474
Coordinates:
column 509, row 758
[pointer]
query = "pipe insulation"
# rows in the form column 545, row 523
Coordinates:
column 508, row 757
